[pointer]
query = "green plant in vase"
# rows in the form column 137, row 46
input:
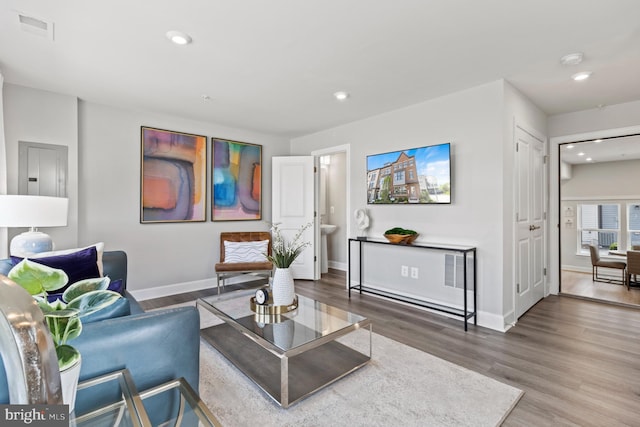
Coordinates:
column 283, row 254
column 63, row 316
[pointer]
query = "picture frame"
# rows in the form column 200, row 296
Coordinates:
column 173, row 176
column 236, row 181
column 418, row 176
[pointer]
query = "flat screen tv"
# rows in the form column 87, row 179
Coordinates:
column 416, row 176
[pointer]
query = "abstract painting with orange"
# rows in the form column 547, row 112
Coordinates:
column 236, row 181
column 173, row 184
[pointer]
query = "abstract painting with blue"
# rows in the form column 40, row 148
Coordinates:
column 174, row 176
column 415, row 176
column 236, row 181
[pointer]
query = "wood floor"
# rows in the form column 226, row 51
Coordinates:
column 582, row 285
column 577, row 361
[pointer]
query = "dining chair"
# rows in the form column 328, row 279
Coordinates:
column 596, row 262
column 633, row 266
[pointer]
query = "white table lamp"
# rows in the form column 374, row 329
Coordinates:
column 32, row 212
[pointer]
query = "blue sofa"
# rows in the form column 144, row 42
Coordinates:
column 155, row 347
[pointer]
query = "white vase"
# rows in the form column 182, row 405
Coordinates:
column 69, row 382
column 283, row 290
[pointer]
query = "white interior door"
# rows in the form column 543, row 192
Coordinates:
column 293, row 206
column 530, row 221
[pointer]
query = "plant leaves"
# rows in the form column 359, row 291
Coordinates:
column 93, row 301
column 37, row 278
column 84, row 286
column 67, row 356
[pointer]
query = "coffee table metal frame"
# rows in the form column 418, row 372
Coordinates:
column 285, row 400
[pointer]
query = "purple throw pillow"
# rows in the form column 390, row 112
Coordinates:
column 78, row 265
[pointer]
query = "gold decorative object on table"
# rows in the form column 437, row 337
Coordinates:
column 270, row 313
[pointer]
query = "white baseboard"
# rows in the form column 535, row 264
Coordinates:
column 485, row 319
column 576, row 268
column 338, row 265
column 180, row 288
column 493, row 321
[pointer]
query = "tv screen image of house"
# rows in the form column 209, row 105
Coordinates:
column 415, row 176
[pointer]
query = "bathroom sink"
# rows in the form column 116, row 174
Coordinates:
column 327, row 228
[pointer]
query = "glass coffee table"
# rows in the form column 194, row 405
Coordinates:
column 291, row 355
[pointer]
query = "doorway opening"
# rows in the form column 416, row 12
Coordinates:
column 333, row 209
column 599, row 212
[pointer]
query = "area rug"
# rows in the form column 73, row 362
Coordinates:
column 400, row 386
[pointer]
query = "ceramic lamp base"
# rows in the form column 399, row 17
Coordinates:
column 30, row 243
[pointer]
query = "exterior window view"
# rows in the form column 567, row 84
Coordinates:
column 602, row 225
column 416, row 176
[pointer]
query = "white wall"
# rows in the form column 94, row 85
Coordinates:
column 337, row 194
column 159, row 254
column 104, row 183
column 471, row 121
column 609, row 117
column 50, row 118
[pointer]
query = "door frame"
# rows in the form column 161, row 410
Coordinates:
column 345, row 148
column 554, row 204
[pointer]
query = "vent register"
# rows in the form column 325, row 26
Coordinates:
column 454, row 271
column 37, row 26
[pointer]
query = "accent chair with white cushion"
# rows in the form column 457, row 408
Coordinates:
column 244, row 252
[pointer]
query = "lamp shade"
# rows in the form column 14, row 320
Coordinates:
column 33, row 211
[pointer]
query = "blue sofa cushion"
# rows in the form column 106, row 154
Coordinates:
column 78, row 265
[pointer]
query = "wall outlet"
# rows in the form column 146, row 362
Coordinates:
column 404, row 271
column 414, row 272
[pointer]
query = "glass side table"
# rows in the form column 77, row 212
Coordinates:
column 172, row 403
column 186, row 406
column 125, row 406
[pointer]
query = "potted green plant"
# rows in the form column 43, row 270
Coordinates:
column 63, row 316
column 283, row 254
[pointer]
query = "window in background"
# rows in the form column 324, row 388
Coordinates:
column 598, row 225
column 633, row 226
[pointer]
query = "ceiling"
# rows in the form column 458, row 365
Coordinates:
column 272, row 66
column 601, row 150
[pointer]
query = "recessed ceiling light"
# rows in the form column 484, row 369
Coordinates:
column 589, row 159
column 341, row 96
column 178, row 37
column 572, row 58
column 583, row 75
column 597, row 140
column 570, row 147
column 581, row 154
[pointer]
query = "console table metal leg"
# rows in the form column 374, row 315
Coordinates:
column 361, row 265
column 464, row 275
column 349, row 268
column 475, row 291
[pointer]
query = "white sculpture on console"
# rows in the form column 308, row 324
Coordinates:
column 362, row 219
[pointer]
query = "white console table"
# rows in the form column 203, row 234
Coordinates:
column 466, row 313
